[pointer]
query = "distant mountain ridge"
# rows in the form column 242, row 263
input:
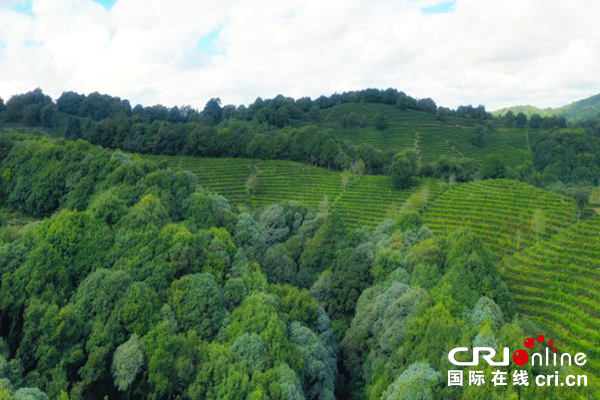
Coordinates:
column 578, row 111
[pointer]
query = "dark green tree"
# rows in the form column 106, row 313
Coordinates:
column 278, row 265
column 198, row 303
column 427, row 105
column 321, row 249
column 509, row 119
column 535, row 121
column 48, row 115
column 521, row 120
column 213, row 111
column 403, row 169
column 493, row 167
column 74, row 129
column 582, row 198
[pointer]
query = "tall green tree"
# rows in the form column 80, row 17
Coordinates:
column 403, row 169
column 493, row 167
column 128, row 361
column 198, row 304
column 521, row 120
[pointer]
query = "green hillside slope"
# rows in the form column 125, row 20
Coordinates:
column 405, row 129
column 578, row 111
column 432, row 137
column 502, row 212
column 365, row 201
column 528, row 110
column 556, row 280
column 557, row 284
column 581, row 110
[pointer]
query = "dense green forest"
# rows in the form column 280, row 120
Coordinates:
column 126, row 275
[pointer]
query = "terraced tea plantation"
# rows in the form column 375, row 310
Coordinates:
column 408, row 129
column 557, row 284
column 365, row 201
column 550, row 262
column 503, row 212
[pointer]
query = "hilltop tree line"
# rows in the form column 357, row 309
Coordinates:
column 277, row 112
column 36, row 109
column 33, row 109
column 510, row 120
column 139, row 284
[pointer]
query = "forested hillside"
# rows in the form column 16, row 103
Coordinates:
column 576, row 112
column 136, row 283
column 366, row 131
column 299, row 200
column 334, row 132
column 325, row 248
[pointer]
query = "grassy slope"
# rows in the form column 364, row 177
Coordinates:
column 407, row 129
column 366, row 201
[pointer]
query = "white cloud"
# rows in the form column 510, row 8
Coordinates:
column 498, row 53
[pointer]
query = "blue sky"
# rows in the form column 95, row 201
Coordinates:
column 207, row 44
column 106, row 3
column 23, row 7
column 440, row 8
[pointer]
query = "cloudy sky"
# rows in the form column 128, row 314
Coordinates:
column 176, row 52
